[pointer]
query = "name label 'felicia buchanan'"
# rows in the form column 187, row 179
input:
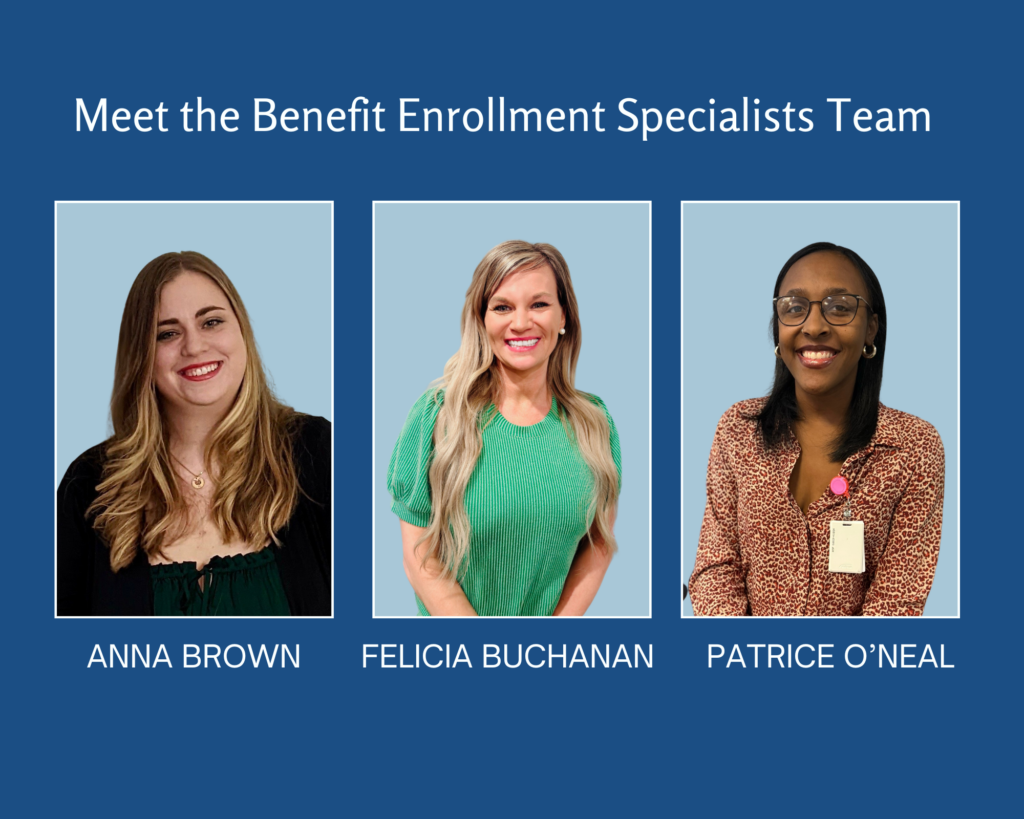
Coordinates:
column 397, row 655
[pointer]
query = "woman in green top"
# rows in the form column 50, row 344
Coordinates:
column 505, row 476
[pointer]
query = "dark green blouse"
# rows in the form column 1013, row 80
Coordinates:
column 239, row 585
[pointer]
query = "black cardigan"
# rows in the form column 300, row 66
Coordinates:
column 87, row 586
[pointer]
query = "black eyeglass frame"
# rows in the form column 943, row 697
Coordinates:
column 810, row 304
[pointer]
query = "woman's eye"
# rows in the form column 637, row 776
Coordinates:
column 213, row 322
column 539, row 304
column 501, row 308
column 166, row 334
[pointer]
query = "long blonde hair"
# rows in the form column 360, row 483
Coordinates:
column 139, row 502
column 470, row 385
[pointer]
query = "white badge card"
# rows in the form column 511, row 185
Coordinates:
column 846, row 546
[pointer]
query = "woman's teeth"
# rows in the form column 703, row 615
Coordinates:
column 528, row 343
column 194, row 373
column 817, row 355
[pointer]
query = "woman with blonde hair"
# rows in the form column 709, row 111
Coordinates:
column 211, row 497
column 506, row 477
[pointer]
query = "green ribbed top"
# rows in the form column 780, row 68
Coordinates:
column 527, row 500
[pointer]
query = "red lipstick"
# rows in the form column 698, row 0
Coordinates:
column 201, row 376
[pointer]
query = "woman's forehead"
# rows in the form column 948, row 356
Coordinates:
column 539, row 278
column 821, row 274
column 188, row 287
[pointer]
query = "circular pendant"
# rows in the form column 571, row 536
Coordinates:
column 198, row 482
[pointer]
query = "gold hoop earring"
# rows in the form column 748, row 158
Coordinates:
column 874, row 350
column 777, row 355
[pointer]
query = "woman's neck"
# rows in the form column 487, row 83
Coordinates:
column 522, row 391
column 189, row 431
column 822, row 417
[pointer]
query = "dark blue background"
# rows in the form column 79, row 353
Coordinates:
column 334, row 737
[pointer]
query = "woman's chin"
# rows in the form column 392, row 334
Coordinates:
column 819, row 387
column 522, row 364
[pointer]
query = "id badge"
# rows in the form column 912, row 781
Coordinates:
column 846, row 546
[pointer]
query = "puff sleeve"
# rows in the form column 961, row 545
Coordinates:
column 613, row 438
column 409, row 469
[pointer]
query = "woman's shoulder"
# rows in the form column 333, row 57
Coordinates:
column 741, row 417
column 77, row 489
column 905, row 431
column 311, row 436
column 426, row 408
column 85, row 471
column 312, row 430
column 595, row 399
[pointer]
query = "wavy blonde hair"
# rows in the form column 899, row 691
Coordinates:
column 471, row 384
column 139, row 502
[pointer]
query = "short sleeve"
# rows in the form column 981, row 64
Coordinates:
column 613, row 438
column 409, row 470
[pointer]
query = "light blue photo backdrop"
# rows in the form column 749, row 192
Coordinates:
column 732, row 254
column 278, row 255
column 425, row 255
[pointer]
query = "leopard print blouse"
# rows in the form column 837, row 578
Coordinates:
column 758, row 554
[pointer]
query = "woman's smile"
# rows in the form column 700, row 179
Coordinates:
column 201, row 372
column 522, row 345
column 816, row 356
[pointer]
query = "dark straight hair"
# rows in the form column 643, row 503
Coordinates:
column 777, row 417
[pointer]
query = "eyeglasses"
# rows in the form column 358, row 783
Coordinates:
column 836, row 310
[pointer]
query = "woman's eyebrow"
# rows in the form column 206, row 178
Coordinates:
column 543, row 294
column 829, row 291
column 206, row 310
column 199, row 314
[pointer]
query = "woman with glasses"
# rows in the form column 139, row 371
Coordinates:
column 821, row 500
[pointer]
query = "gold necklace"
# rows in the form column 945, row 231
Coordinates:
column 197, row 480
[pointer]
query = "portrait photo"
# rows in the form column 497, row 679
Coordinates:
column 193, row 437
column 820, row 393
column 512, row 385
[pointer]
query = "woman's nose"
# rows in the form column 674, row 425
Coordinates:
column 815, row 324
column 521, row 322
column 192, row 343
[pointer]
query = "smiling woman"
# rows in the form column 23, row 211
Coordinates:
column 212, row 497
column 821, row 500
column 505, row 477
